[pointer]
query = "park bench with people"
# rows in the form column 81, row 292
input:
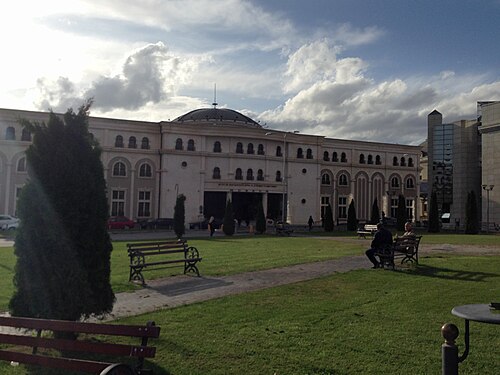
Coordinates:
column 145, row 255
column 71, row 346
column 283, row 229
column 367, row 230
column 404, row 248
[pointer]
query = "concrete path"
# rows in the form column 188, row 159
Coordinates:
column 182, row 290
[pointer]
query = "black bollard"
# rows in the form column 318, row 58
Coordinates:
column 449, row 351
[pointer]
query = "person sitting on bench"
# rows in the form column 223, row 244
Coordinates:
column 382, row 238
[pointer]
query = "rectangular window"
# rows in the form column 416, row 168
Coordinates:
column 117, row 202
column 394, row 206
column 144, row 204
column 410, row 213
column 325, row 200
column 342, row 207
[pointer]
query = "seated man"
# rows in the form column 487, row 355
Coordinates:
column 407, row 239
column 382, row 238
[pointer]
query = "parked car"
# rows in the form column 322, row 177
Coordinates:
column 161, row 223
column 8, row 222
column 120, row 222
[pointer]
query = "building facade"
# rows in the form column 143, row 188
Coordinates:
column 213, row 155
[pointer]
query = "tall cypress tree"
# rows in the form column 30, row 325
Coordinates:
column 471, row 214
column 375, row 217
column 260, row 220
column 62, row 246
column 433, row 214
column 228, row 224
column 328, row 219
column 179, row 216
column 401, row 217
column 352, row 221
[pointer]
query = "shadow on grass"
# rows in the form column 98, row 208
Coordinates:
column 448, row 273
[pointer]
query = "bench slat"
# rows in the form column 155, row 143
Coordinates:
column 188, row 260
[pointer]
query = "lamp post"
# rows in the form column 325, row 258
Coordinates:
column 488, row 188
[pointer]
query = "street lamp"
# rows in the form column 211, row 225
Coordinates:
column 488, row 188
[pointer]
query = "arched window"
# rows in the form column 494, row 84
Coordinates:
column 250, row 149
column 278, row 176
column 362, row 159
column 370, row 159
column 309, row 153
column 217, row 147
column 260, row 175
column 145, row 143
column 26, row 135
column 239, row 175
column 395, row 182
column 132, row 142
column 378, row 161
column 119, row 169
column 278, row 151
column 325, row 179
column 300, row 153
column 21, row 165
column 191, row 145
column 395, row 161
column 410, row 162
column 260, row 149
column 239, row 148
column 10, row 134
column 178, row 144
column 145, row 170
column 343, row 180
column 343, row 158
column 335, row 157
column 403, row 162
column 409, row 183
column 216, row 174
column 119, row 141
column 326, row 156
column 249, row 174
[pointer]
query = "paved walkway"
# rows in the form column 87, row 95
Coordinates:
column 182, row 290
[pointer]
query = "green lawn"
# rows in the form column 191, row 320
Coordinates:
column 360, row 322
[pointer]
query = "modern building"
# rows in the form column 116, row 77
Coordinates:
column 213, row 155
column 463, row 156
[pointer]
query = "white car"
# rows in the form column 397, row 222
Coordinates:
column 8, row 222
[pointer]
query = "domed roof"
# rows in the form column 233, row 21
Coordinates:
column 217, row 114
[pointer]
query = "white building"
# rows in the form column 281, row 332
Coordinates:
column 212, row 155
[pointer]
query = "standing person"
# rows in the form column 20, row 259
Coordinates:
column 211, row 225
column 310, row 222
column 382, row 238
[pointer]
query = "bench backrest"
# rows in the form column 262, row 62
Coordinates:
column 162, row 247
column 409, row 242
column 370, row 227
column 140, row 351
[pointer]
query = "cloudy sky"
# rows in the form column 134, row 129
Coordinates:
column 354, row 69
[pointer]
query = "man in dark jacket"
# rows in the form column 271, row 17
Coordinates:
column 382, row 238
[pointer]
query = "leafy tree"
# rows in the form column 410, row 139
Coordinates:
column 375, row 217
column 62, row 246
column 433, row 214
column 228, row 223
column 352, row 221
column 260, row 220
column 401, row 217
column 328, row 219
column 471, row 214
column 179, row 216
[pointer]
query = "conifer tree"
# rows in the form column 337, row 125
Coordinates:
column 433, row 214
column 375, row 217
column 62, row 245
column 328, row 219
column 352, row 221
column 401, row 217
column 228, row 223
column 260, row 220
column 471, row 214
column 179, row 216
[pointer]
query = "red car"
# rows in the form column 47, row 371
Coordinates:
column 120, row 222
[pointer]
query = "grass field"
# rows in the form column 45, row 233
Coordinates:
column 360, row 322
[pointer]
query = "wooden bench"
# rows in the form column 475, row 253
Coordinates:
column 367, row 229
column 283, row 229
column 141, row 257
column 37, row 347
column 405, row 248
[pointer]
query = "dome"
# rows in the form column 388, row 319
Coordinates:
column 217, row 114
